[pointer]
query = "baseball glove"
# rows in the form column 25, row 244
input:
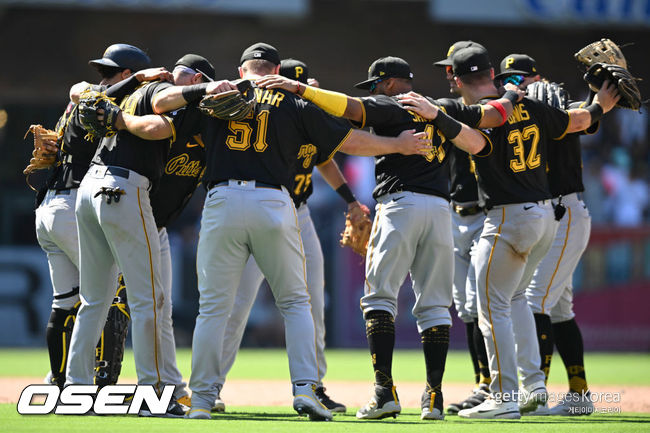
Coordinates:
column 357, row 232
column 621, row 78
column 44, row 154
column 90, row 103
column 602, row 51
column 552, row 94
column 231, row 105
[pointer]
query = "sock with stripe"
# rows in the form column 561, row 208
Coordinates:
column 545, row 340
column 568, row 341
column 380, row 330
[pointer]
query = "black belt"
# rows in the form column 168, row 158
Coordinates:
column 117, row 171
column 467, row 210
column 258, row 184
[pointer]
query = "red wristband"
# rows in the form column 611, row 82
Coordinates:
column 500, row 109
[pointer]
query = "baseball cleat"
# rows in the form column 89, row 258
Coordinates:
column 219, row 405
column 305, row 402
column 185, row 401
column 198, row 413
column 383, row 404
column 431, row 404
column 574, row 404
column 492, row 409
column 530, row 400
column 478, row 396
column 542, row 410
column 174, row 410
column 328, row 402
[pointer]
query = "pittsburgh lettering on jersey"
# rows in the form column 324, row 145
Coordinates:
column 307, row 151
column 182, row 165
column 267, row 96
column 519, row 114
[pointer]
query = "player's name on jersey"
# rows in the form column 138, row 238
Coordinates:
column 519, row 114
column 268, row 96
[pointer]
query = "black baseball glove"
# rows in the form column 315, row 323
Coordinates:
column 552, row 94
column 231, row 105
column 621, row 78
column 98, row 114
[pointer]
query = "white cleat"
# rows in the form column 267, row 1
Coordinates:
column 492, row 409
column 305, row 402
column 198, row 413
column 542, row 410
column 574, row 404
column 384, row 403
column 533, row 396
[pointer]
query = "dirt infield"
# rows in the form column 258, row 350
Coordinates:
column 355, row 394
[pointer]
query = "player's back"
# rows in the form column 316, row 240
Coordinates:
column 512, row 168
column 264, row 146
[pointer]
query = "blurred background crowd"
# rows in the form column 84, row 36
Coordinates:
column 46, row 44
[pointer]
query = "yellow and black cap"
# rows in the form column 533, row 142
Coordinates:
column 199, row 64
column 517, row 64
column 123, row 56
column 455, row 47
column 294, row 69
column 386, row 67
column 469, row 60
column 261, row 51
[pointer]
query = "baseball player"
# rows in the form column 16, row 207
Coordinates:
column 56, row 226
column 411, row 231
column 308, row 157
column 467, row 223
column 517, row 232
column 550, row 292
column 248, row 169
column 117, row 229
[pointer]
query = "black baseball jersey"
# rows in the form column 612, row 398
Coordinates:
column 463, row 188
column 427, row 174
column 145, row 157
column 308, row 158
column 182, row 173
column 76, row 151
column 565, row 161
column 264, row 146
column 512, row 166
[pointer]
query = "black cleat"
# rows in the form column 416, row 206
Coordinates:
column 327, row 401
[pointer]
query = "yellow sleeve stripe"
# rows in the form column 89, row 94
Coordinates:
column 489, row 143
column 482, row 115
column 363, row 113
column 171, row 125
column 340, row 144
column 567, row 128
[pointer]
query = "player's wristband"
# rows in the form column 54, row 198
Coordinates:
column 596, row 112
column 345, row 192
column 333, row 102
column 511, row 96
column 194, row 92
column 449, row 126
column 500, row 109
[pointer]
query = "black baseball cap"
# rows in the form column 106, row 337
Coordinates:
column 455, row 47
column 469, row 60
column 517, row 64
column 260, row 51
column 123, row 56
column 199, row 64
column 294, row 69
column 386, row 67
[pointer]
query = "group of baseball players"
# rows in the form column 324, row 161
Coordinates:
column 476, row 201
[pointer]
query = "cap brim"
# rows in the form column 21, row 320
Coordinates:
column 511, row 72
column 204, row 75
column 104, row 62
column 365, row 85
column 442, row 63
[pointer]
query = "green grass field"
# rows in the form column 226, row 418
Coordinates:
column 603, row 369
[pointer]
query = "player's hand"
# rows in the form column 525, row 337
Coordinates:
column 607, row 96
column 516, row 89
column 313, row 82
column 418, row 104
column 50, row 146
column 278, row 82
column 356, row 211
column 152, row 74
column 412, row 143
column 222, row 86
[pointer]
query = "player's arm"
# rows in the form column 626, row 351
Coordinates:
column 335, row 103
column 148, row 127
column 176, row 97
column 582, row 118
column 333, row 176
column 125, row 87
column 362, row 143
